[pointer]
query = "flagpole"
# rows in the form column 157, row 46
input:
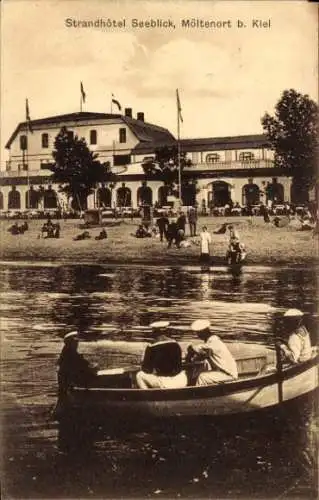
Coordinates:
column 81, row 102
column 111, row 104
column 179, row 153
column 26, row 159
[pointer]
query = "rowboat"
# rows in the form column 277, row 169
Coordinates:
column 260, row 385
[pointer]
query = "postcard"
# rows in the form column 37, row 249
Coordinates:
column 159, row 245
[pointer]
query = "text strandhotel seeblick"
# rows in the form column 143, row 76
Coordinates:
column 189, row 23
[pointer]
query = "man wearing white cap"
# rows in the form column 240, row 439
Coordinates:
column 73, row 368
column 298, row 346
column 162, row 362
column 220, row 365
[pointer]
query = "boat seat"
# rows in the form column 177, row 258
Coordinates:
column 253, row 365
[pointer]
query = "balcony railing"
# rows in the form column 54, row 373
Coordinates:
column 25, row 173
column 231, row 165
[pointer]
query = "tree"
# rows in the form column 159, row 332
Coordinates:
column 164, row 166
column 76, row 168
column 293, row 135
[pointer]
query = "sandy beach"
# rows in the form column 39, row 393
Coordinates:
column 265, row 244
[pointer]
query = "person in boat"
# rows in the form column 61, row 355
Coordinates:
column 162, row 362
column 219, row 364
column 297, row 347
column 73, row 368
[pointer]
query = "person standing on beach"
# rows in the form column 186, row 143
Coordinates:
column 162, row 224
column 192, row 221
column 205, row 242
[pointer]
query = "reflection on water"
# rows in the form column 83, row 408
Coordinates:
column 40, row 303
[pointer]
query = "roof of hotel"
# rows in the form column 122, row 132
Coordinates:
column 222, row 143
column 145, row 132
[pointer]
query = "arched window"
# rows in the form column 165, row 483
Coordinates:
column 1, row 201
column 104, row 197
column 188, row 194
column 23, row 142
column 45, row 140
column 50, row 198
column 144, row 195
column 162, row 196
column 212, row 158
column 14, row 199
column 93, row 137
column 219, row 196
column 124, row 196
column 250, row 194
column 31, row 198
column 246, row 156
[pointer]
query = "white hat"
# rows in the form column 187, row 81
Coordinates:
column 159, row 324
column 293, row 313
column 200, row 324
column 70, row 335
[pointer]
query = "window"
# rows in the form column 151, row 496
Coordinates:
column 212, row 158
column 23, row 142
column 93, row 137
column 44, row 165
column 122, row 136
column 246, row 156
column 45, row 140
column 121, row 159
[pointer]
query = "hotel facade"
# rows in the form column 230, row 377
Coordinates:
column 223, row 170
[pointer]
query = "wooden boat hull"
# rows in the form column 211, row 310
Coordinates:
column 240, row 396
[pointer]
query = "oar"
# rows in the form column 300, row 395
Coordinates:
column 279, row 370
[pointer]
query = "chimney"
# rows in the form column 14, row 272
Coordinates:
column 128, row 112
column 140, row 116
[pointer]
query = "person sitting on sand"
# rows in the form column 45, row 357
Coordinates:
column 85, row 235
column 142, row 232
column 102, row 235
column 24, row 227
column 307, row 223
column 14, row 229
column 222, row 229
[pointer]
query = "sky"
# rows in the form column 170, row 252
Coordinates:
column 227, row 77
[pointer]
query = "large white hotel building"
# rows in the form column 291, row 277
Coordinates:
column 240, row 169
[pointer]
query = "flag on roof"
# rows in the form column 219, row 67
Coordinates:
column 115, row 101
column 27, row 115
column 83, row 94
column 179, row 107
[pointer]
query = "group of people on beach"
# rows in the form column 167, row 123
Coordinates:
column 163, row 366
column 174, row 232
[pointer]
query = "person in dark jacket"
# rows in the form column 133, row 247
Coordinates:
column 181, row 221
column 162, row 224
column 172, row 234
column 73, row 368
column 192, row 221
column 162, row 362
